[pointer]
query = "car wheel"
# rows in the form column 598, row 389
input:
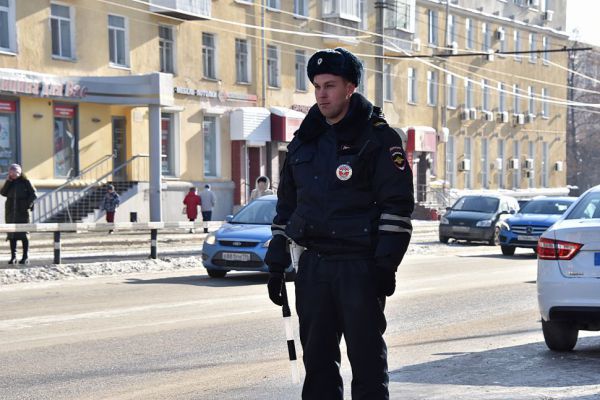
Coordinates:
column 444, row 239
column 495, row 240
column 559, row 335
column 216, row 273
column 507, row 250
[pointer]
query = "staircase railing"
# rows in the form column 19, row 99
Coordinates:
column 65, row 196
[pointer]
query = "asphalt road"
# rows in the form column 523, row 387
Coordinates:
column 462, row 325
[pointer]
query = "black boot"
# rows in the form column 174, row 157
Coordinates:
column 13, row 251
column 25, row 259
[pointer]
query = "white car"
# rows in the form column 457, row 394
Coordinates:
column 568, row 275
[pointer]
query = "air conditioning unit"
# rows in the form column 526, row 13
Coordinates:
column 530, row 118
column 453, row 47
column 473, row 113
column 416, row 44
column 519, row 119
column 488, row 115
column 498, row 163
column 558, row 166
column 513, row 163
column 503, row 116
column 547, row 16
column 529, row 163
column 500, row 34
column 530, row 174
column 443, row 135
column 465, row 114
column 465, row 165
column 490, row 55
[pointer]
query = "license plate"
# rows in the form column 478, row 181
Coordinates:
column 236, row 256
column 527, row 238
column 461, row 229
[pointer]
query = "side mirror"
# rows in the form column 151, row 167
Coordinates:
column 228, row 218
column 513, row 211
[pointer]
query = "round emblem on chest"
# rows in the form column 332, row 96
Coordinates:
column 343, row 172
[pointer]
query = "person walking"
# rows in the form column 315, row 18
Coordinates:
column 110, row 202
column 192, row 201
column 20, row 196
column 208, row 202
column 262, row 188
column 346, row 195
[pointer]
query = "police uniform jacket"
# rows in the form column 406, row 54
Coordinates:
column 345, row 189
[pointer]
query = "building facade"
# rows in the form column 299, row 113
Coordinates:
column 228, row 80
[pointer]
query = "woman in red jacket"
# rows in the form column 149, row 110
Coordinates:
column 192, row 202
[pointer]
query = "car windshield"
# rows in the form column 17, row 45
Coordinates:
column 588, row 207
column 257, row 212
column 546, row 207
column 477, row 204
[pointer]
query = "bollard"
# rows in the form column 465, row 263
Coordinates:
column 56, row 247
column 153, row 236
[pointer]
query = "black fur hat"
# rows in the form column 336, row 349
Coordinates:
column 338, row 61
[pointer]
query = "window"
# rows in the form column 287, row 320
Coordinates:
column 531, row 155
column 65, row 141
column 432, row 30
column 468, row 156
column 469, row 93
column 387, row 82
column 516, row 100
column 469, row 33
column 545, row 47
column 451, row 91
column 501, row 145
column 450, row 164
column 451, row 29
column 209, row 56
column 545, row 106
column 532, row 48
column 273, row 4
column 412, row 86
column 503, row 41
column 166, row 45
column 364, row 15
column 7, row 25
column 117, row 41
column 8, row 135
column 485, row 95
column 61, row 26
column 545, row 164
column 273, row 66
column 530, row 100
column 301, row 7
column 516, row 172
column 485, row 166
column 399, row 14
column 501, row 97
column 301, row 70
column 432, row 88
column 485, row 37
column 242, row 61
column 211, row 146
column 517, row 45
column 346, row 9
column 167, row 143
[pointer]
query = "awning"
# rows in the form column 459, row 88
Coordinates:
column 284, row 122
column 420, row 138
column 252, row 124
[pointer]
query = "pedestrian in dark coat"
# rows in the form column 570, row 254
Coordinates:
column 346, row 195
column 20, row 196
column 192, row 201
column 110, row 202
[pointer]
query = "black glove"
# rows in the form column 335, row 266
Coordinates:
column 275, row 287
column 386, row 281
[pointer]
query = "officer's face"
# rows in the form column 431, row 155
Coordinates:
column 333, row 93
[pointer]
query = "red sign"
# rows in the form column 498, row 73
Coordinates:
column 64, row 111
column 8, row 106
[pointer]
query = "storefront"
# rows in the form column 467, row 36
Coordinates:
column 421, row 145
column 284, row 123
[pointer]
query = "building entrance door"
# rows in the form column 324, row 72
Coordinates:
column 119, row 130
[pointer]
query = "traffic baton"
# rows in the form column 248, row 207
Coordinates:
column 289, row 334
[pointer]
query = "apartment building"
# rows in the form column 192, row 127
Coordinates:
column 213, row 91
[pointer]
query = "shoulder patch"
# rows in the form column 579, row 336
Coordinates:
column 398, row 157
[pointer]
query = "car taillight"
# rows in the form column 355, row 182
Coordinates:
column 550, row 249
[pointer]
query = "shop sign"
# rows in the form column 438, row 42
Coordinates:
column 222, row 96
column 42, row 88
column 64, row 111
column 211, row 94
column 299, row 107
column 8, row 106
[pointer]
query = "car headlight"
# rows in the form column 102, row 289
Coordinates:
column 266, row 244
column 444, row 221
column 210, row 239
column 486, row 223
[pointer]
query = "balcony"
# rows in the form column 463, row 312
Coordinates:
column 184, row 9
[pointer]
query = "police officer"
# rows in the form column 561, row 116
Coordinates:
column 346, row 195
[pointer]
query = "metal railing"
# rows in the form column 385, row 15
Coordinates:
column 66, row 196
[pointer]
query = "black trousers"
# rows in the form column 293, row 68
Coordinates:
column 336, row 297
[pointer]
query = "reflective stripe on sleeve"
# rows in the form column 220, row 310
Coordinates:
column 394, row 228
